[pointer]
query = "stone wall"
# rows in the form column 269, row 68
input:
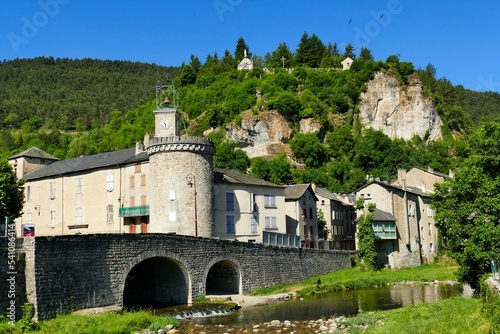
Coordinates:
column 79, row 271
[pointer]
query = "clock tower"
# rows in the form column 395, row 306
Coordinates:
column 181, row 172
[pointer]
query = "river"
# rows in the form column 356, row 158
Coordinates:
column 341, row 303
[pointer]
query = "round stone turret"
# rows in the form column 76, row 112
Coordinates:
column 181, row 170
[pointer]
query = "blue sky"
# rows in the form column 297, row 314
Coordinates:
column 460, row 38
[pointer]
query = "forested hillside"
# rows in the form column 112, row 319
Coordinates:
column 74, row 107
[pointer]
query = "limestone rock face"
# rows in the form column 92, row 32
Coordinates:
column 399, row 112
column 308, row 125
column 265, row 134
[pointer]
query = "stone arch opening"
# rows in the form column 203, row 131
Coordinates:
column 156, row 282
column 223, row 278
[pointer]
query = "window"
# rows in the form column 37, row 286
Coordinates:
column 172, row 216
column 311, row 213
column 110, row 182
column 270, row 201
column 172, row 195
column 143, row 200
column 229, row 201
column 132, row 200
column 132, row 181
column 109, row 214
column 138, row 168
column 384, row 230
column 28, row 194
column 52, row 189
column 411, row 210
column 52, row 219
column 143, row 180
column 271, row 222
column 230, row 228
column 78, row 186
column 28, row 218
column 430, row 212
column 254, row 225
column 78, row 216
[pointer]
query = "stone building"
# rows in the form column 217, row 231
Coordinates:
column 404, row 226
column 340, row 216
column 246, row 63
column 301, row 213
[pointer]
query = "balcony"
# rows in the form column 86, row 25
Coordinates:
column 134, row 211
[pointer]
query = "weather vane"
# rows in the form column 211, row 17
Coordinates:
column 166, row 96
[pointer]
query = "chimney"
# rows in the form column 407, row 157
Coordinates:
column 313, row 186
column 402, row 177
column 430, row 169
column 139, row 147
column 147, row 138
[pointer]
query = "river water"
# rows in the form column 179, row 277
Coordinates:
column 337, row 304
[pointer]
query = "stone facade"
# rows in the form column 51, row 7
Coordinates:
column 181, row 173
column 95, row 270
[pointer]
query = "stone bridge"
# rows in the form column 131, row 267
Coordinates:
column 66, row 273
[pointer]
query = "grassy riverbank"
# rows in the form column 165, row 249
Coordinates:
column 358, row 278
column 454, row 315
column 109, row 323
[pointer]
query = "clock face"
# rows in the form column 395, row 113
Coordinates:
column 165, row 124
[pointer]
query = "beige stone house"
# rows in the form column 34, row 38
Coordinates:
column 246, row 206
column 340, row 216
column 301, row 214
column 404, row 226
column 346, row 63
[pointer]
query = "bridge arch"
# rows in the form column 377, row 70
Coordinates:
column 223, row 276
column 156, row 279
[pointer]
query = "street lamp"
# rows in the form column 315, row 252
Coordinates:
column 191, row 182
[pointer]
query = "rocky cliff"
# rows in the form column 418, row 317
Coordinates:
column 265, row 134
column 400, row 112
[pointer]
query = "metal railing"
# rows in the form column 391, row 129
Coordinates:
column 280, row 239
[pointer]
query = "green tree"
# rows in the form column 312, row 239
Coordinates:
column 11, row 192
column 468, row 206
column 281, row 57
column 308, row 149
column 366, row 236
column 229, row 156
column 349, row 51
column 241, row 47
column 310, row 51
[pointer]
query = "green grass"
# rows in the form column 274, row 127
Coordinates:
column 109, row 323
column 454, row 315
column 356, row 278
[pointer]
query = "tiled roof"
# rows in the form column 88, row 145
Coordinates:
column 34, row 152
column 296, row 191
column 380, row 215
column 323, row 192
column 87, row 163
column 412, row 190
column 232, row 176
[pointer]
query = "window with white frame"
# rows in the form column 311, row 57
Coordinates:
column 430, row 212
column 28, row 218
column 28, row 193
column 230, row 226
column 254, row 225
column 270, row 201
column 110, row 182
column 229, row 201
column 271, row 222
column 411, row 210
column 52, row 189
column 78, row 185
column 52, row 218
column 78, row 216
column 109, row 213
